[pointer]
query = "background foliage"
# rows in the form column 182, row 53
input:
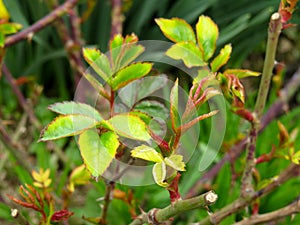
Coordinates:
column 43, row 62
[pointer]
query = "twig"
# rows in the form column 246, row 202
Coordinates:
column 292, row 171
column 20, row 97
column 275, row 27
column 272, row 216
column 116, row 18
column 42, row 23
column 109, row 188
column 156, row 216
column 15, row 149
column 277, row 109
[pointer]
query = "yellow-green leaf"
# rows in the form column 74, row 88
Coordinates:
column 188, row 52
column 176, row 29
column 222, row 58
column 130, row 126
column 97, row 152
column 207, row 35
column 129, row 74
column 67, row 125
column 75, row 108
column 79, row 176
column 176, row 162
column 146, row 153
column 159, row 173
column 240, row 73
column 4, row 15
column 99, row 62
column 174, row 114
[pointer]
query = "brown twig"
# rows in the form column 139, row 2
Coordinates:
column 278, row 108
column 42, row 23
column 288, row 210
column 109, row 188
column 21, row 99
column 116, row 17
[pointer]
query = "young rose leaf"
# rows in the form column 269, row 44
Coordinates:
column 174, row 114
column 207, row 35
column 129, row 74
column 296, row 158
column 147, row 153
column 96, row 84
column 67, row 125
column 221, row 59
column 3, row 12
column 99, row 62
column 124, row 51
column 97, row 152
column 130, row 126
column 79, row 176
column 159, row 173
column 240, row 73
column 188, row 52
column 75, row 108
column 176, row 162
column 177, row 30
column 188, row 125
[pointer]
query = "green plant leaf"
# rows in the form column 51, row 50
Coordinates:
column 159, row 173
column 207, row 35
column 176, row 29
column 174, row 114
column 10, row 28
column 222, row 58
column 99, row 62
column 97, row 152
column 176, row 162
column 188, row 52
column 147, row 153
column 129, row 74
column 67, row 125
column 153, row 108
column 130, row 126
column 75, row 108
column 130, row 53
column 296, row 158
column 96, row 84
column 240, row 73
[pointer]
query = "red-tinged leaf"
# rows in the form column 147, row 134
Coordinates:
column 61, row 215
column 129, row 74
column 240, row 73
column 221, row 59
column 99, row 62
column 283, row 134
column 188, row 52
column 19, row 202
column 177, row 30
column 67, row 125
column 174, row 114
column 207, row 35
column 188, row 125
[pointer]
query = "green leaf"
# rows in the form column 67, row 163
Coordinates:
column 130, row 126
column 97, row 152
column 176, row 162
column 130, row 53
column 147, row 153
column 188, row 52
column 96, row 84
column 67, row 125
column 159, row 173
column 10, row 28
column 129, row 74
column 222, row 58
column 240, row 73
column 75, row 108
column 296, row 158
column 115, row 47
column 153, row 108
column 174, row 114
column 207, row 35
column 99, row 62
column 177, row 30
